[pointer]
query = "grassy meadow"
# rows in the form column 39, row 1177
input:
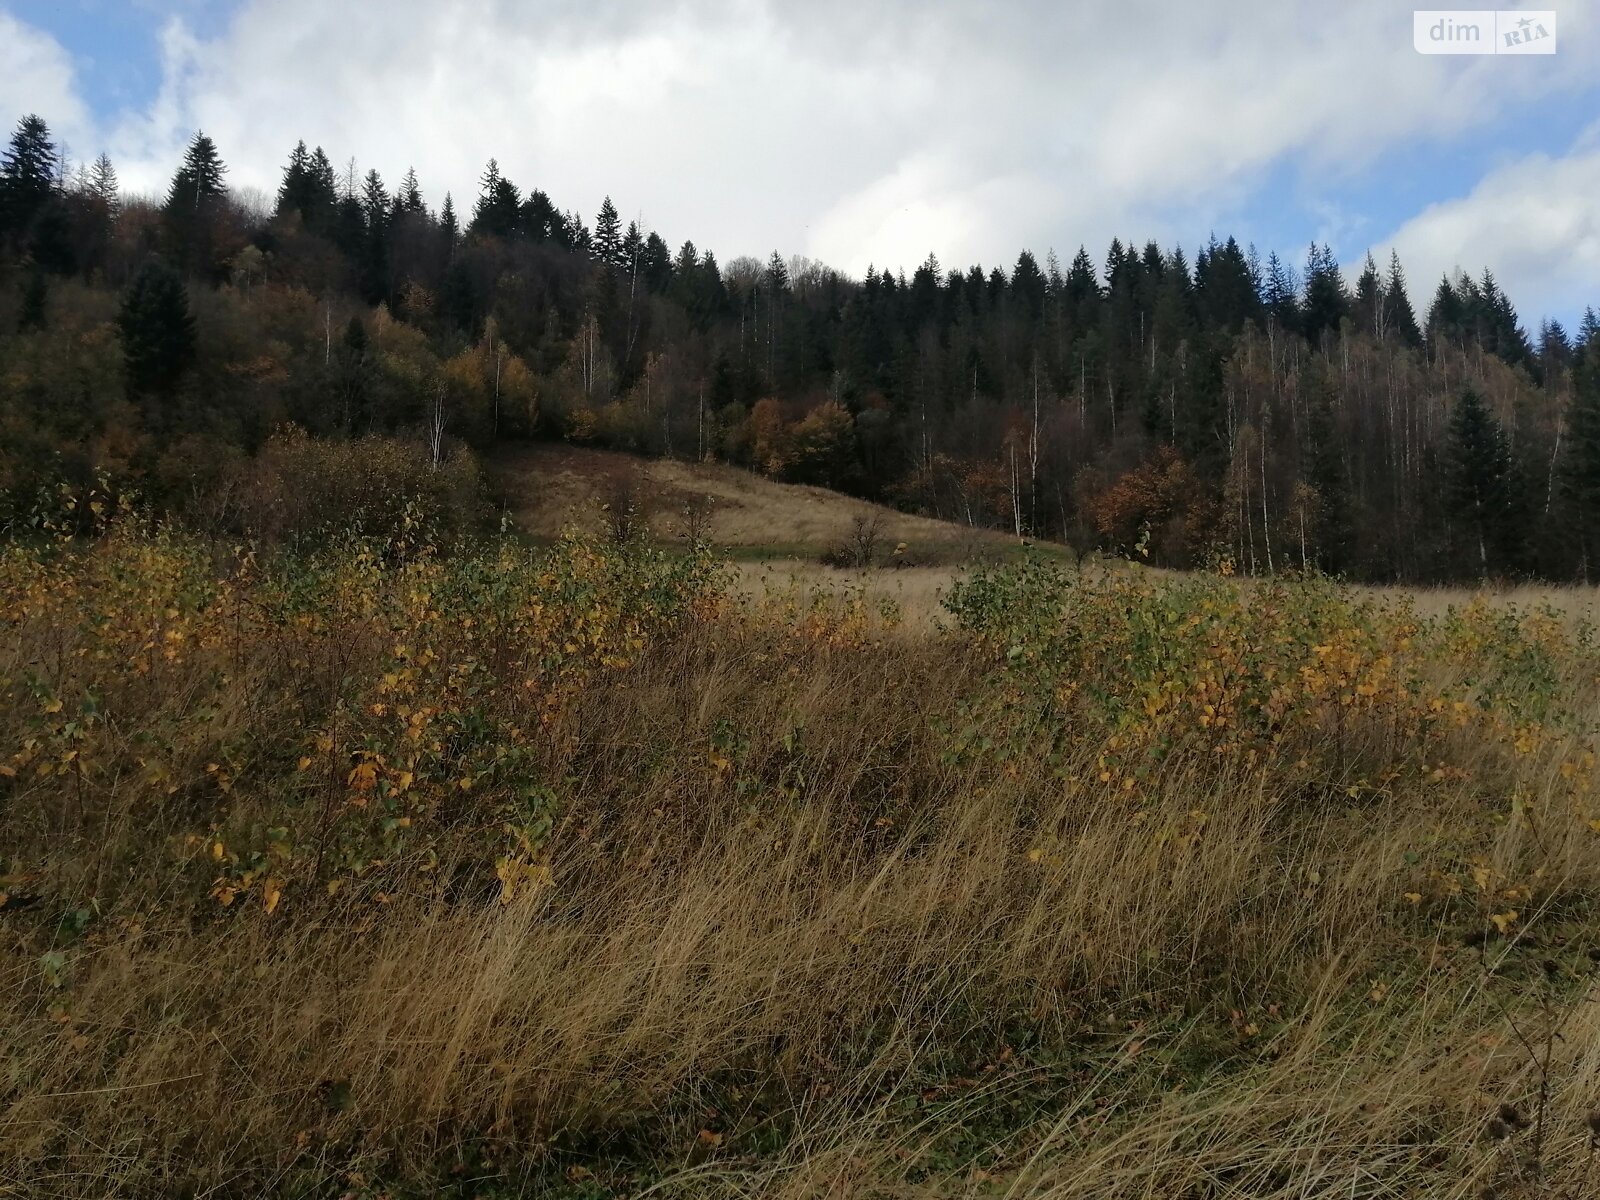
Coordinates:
column 590, row 870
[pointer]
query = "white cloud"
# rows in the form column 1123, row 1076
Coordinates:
column 1536, row 222
column 36, row 76
column 851, row 132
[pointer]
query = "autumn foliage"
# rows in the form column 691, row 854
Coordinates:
column 349, row 863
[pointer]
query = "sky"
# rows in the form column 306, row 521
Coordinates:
column 873, row 133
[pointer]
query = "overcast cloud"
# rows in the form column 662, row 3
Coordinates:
column 875, row 132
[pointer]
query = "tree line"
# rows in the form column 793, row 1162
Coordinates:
column 1225, row 408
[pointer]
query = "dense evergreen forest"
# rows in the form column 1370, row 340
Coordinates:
column 1222, row 408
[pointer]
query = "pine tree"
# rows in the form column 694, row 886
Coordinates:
column 579, row 239
column 1477, row 477
column 777, row 275
column 294, row 193
column 158, row 338
column 1028, row 287
column 608, row 234
column 1446, row 316
column 194, row 204
column 1370, row 311
column 657, row 266
column 29, row 171
column 540, row 219
column 631, row 251
column 1497, row 327
column 449, row 227
column 103, row 187
column 499, row 211
column 375, row 202
column 1399, row 318
column 1082, row 285
column 487, row 187
column 1588, row 332
column 1580, row 467
column 409, row 197
column 1555, row 351
column 1228, row 297
column 375, row 252
column 1326, row 301
column 1279, row 295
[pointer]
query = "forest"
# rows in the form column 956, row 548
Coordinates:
column 1226, row 410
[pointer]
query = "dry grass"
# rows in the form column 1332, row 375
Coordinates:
column 552, row 487
column 793, row 946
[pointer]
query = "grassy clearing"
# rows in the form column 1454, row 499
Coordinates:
column 583, row 871
column 551, row 488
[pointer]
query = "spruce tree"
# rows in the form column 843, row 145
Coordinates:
column 1497, row 327
column 1279, row 295
column 1399, row 318
column 540, row 219
column 409, row 197
column 657, row 266
column 1082, row 284
column 103, row 187
column 294, row 193
column 1028, row 287
column 1555, row 351
column 28, row 180
column 1326, row 302
column 1370, row 311
column 194, row 204
column 607, row 241
column 1446, row 316
column 1477, row 478
column 449, row 227
column 631, row 253
column 1588, row 331
column 487, row 187
column 375, row 251
column 158, row 338
column 1580, row 466
column 1228, row 298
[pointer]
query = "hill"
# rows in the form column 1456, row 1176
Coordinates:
column 548, row 487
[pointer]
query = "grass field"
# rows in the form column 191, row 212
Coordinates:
column 578, row 870
column 552, row 487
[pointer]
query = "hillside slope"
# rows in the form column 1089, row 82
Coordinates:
column 547, row 487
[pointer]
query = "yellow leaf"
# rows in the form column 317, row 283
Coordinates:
column 1504, row 921
column 707, row 1138
column 271, row 893
column 53, row 707
column 1414, row 897
column 304, row 763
